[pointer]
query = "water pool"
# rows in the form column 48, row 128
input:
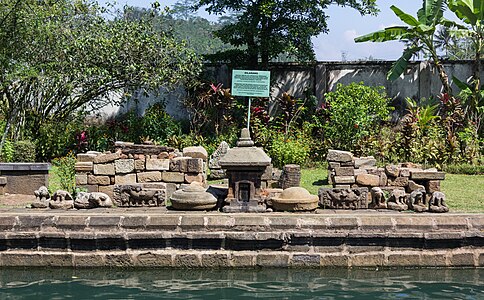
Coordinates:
column 242, row 284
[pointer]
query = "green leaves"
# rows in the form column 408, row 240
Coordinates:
column 387, row 34
column 399, row 66
column 266, row 30
column 469, row 11
column 408, row 19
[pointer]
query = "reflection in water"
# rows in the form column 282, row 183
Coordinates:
column 241, row 284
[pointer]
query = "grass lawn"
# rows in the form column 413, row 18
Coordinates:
column 464, row 193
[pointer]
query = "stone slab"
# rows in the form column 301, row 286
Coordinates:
column 368, row 180
column 124, row 166
column 344, row 179
column 423, row 175
column 149, row 176
column 106, row 158
column 195, row 152
column 104, row 169
column 157, row 164
column 339, row 156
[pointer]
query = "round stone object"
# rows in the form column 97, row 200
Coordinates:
column 193, row 197
column 295, row 199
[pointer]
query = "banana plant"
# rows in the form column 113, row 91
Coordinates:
column 419, row 34
column 471, row 12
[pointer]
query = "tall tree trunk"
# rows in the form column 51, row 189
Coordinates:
column 444, row 78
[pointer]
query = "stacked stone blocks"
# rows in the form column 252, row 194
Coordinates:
column 153, row 167
column 347, row 171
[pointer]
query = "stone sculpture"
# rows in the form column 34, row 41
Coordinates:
column 82, row 201
column 339, row 198
column 98, row 199
column 92, row 200
column 193, row 197
column 42, row 198
column 418, row 201
column 136, row 195
column 61, row 200
column 216, row 171
column 397, row 200
column 437, row 203
column 295, row 199
column 378, row 200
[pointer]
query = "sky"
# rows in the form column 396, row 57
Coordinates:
column 344, row 25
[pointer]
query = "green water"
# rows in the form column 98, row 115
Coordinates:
column 241, row 284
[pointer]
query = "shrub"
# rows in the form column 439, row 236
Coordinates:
column 7, row 152
column 24, row 151
column 464, row 168
column 63, row 173
column 285, row 151
column 355, row 111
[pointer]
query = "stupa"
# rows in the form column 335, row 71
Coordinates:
column 245, row 165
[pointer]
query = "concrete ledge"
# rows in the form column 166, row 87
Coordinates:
column 242, row 259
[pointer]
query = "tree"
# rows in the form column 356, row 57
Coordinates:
column 419, row 34
column 59, row 57
column 265, row 29
column 471, row 12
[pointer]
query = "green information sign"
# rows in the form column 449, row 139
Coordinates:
column 251, row 83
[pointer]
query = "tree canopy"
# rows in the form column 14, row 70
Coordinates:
column 265, row 29
column 57, row 57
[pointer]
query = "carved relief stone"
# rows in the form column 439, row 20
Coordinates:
column 335, row 198
column 135, row 195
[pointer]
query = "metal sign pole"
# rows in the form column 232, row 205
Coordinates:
column 248, row 113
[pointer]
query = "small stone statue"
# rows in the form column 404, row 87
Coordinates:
column 397, row 200
column 61, row 200
column 418, row 201
column 82, row 201
column 437, row 203
column 378, row 200
column 98, row 199
column 42, row 198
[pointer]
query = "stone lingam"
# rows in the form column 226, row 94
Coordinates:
column 245, row 165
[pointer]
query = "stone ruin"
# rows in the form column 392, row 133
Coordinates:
column 140, row 175
column 64, row 200
column 358, row 183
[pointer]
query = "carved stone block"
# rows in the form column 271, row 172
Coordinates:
column 335, row 198
column 136, row 195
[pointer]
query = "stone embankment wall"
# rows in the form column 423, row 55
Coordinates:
column 147, row 166
column 154, row 238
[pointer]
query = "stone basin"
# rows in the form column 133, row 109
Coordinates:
column 193, row 197
column 295, row 199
